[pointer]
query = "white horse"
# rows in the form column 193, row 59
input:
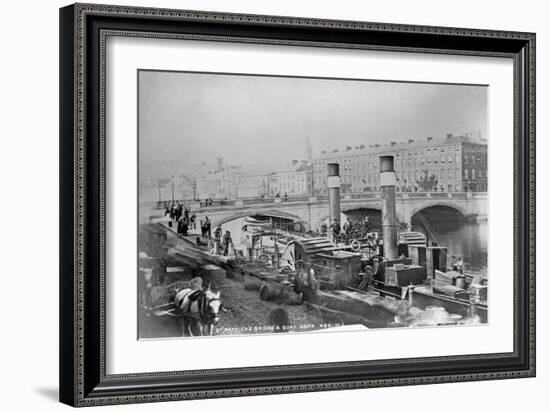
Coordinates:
column 200, row 308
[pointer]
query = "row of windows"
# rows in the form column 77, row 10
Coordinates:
column 441, row 186
column 473, row 174
column 427, row 156
column 408, row 176
column 291, row 187
column 399, row 163
column 449, row 171
column 474, row 158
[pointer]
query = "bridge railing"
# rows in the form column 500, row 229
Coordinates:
column 259, row 201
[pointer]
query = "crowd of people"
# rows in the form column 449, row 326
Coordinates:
column 278, row 195
column 208, row 202
column 224, row 242
column 181, row 214
column 348, row 231
column 185, row 221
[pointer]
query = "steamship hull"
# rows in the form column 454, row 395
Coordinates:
column 424, row 296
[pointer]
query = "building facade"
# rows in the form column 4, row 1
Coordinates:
column 164, row 189
column 250, row 185
column 451, row 164
column 216, row 185
column 297, row 180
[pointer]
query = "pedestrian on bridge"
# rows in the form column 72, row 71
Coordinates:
column 183, row 226
column 207, row 227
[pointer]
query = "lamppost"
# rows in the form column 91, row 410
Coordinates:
column 160, row 199
column 312, row 181
column 172, row 186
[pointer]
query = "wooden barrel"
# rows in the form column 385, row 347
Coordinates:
column 251, row 284
column 268, row 293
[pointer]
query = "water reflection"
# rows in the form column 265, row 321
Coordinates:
column 467, row 240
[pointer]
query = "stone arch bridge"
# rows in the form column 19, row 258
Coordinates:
column 314, row 210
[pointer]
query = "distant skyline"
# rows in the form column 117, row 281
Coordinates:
column 262, row 120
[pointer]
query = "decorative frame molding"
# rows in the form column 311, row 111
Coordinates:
column 83, row 32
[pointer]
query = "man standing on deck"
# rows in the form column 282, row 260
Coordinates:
column 453, row 263
column 367, row 224
column 218, row 233
column 335, row 230
column 346, row 226
column 226, row 240
column 459, row 265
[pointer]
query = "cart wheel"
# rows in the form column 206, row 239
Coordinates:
column 355, row 245
column 264, row 258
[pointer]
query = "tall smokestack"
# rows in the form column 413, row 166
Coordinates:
column 333, row 184
column 389, row 226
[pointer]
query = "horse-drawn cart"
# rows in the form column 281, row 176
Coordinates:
column 194, row 308
column 161, row 298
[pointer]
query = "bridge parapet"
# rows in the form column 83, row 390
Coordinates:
column 313, row 210
column 242, row 202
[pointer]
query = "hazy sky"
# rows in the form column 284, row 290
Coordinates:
column 196, row 117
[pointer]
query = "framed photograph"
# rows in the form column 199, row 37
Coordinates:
column 262, row 204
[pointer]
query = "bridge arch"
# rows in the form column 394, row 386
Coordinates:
column 257, row 213
column 439, row 205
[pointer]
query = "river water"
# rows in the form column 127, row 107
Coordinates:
column 466, row 240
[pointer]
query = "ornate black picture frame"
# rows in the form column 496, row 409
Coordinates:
column 83, row 30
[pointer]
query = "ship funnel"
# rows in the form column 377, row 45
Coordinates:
column 389, row 221
column 333, row 184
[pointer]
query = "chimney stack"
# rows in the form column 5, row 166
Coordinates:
column 389, row 221
column 333, row 184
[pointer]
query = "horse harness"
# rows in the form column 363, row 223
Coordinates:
column 196, row 304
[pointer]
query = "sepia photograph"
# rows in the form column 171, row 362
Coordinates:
column 279, row 204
